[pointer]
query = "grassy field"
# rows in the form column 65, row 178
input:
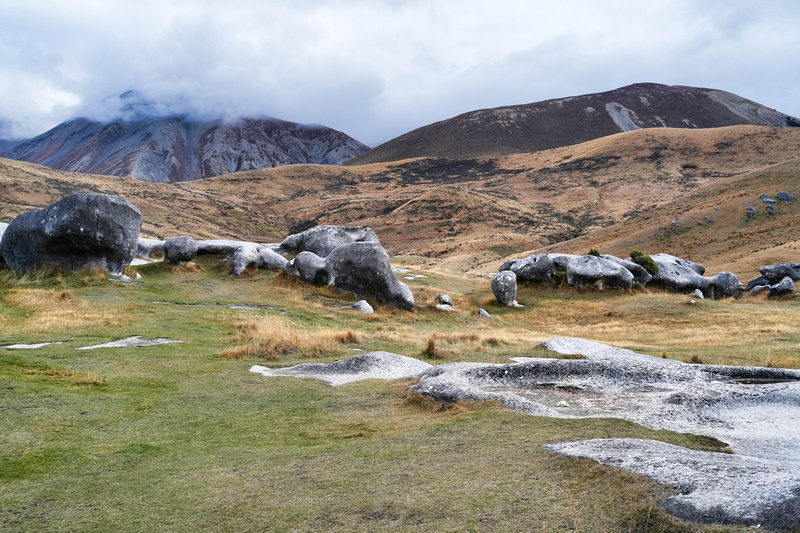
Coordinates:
column 182, row 437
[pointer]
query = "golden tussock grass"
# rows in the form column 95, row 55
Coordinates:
column 272, row 337
column 60, row 310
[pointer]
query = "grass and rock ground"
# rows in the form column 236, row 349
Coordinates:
column 183, row 437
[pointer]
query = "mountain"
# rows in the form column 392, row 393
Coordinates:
column 568, row 121
column 176, row 148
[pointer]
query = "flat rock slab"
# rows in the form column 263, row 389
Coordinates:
column 755, row 410
column 29, row 346
column 135, row 342
column 372, row 365
column 712, row 487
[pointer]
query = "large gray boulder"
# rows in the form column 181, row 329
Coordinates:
column 364, row 269
column 179, row 250
column 589, row 269
column 640, row 274
column 562, row 260
column 671, row 259
column 775, row 273
column 682, row 276
column 79, row 231
column 504, row 288
column 322, row 240
column 309, row 267
column 536, row 267
column 784, row 286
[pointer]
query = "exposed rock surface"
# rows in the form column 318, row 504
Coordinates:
column 589, row 269
column 775, row 273
column 783, row 287
column 362, row 306
column 504, row 287
column 537, row 267
column 78, row 231
column 364, row 269
column 753, row 409
column 179, row 250
column 444, row 299
column 178, row 149
column 322, row 240
column 372, row 365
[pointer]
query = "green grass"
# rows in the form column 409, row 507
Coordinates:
column 177, row 437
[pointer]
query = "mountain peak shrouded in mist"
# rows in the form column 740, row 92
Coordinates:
column 156, row 141
column 575, row 119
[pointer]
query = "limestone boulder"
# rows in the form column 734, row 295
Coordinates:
column 536, row 267
column 309, row 267
column 79, row 231
column 444, row 299
column 775, row 273
column 179, row 250
column 364, row 269
column 504, row 288
column 783, row 287
column 322, row 240
column 562, row 260
column 640, row 274
column 589, row 269
column 671, row 259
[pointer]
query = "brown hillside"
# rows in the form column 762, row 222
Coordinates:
column 568, row 121
column 619, row 192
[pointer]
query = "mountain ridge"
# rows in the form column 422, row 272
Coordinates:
column 567, row 121
column 176, row 148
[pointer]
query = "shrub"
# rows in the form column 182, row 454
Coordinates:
column 641, row 258
column 594, row 251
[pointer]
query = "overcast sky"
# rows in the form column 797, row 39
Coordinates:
column 376, row 69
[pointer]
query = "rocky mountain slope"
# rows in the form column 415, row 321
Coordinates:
column 617, row 193
column 179, row 149
column 567, row 121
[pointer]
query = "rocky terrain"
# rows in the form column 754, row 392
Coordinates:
column 177, row 148
column 567, row 121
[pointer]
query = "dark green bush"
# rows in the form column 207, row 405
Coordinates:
column 641, row 258
column 594, row 251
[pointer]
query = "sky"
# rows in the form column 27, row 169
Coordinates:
column 376, row 69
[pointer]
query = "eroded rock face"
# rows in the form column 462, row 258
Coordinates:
column 586, row 270
column 309, row 267
column 79, row 231
column 364, row 269
column 537, row 267
column 179, row 250
column 322, row 240
column 775, row 273
column 504, row 287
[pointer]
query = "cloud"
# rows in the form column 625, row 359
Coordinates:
column 376, row 69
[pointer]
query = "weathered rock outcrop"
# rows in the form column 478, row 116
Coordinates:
column 775, row 273
column 364, row 269
column 679, row 275
column 359, row 268
column 322, row 240
column 179, row 250
column 536, row 267
column 79, row 231
column 504, row 287
column 783, row 287
column 589, row 269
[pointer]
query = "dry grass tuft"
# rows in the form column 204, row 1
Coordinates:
column 188, row 268
column 272, row 337
column 428, row 404
column 59, row 310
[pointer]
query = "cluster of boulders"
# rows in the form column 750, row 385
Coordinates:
column 673, row 274
column 102, row 231
column 777, row 279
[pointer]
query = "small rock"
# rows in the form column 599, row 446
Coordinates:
column 692, row 302
column 444, row 307
column 483, row 312
column 785, row 197
column 362, row 306
column 697, row 293
column 562, row 403
column 444, row 299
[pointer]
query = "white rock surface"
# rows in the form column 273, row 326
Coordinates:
column 372, row 365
